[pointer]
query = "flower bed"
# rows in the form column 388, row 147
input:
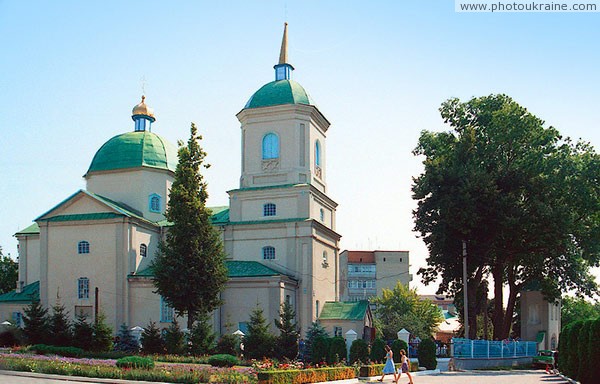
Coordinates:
column 164, row 372
column 309, row 375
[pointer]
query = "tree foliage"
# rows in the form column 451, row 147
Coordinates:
column 152, row 342
column 202, row 338
column 401, row 307
column 174, row 339
column 578, row 308
column 102, row 335
column 314, row 332
column 125, row 342
column 189, row 270
column 426, row 354
column 286, row 344
column 336, row 351
column 36, row 323
column 378, row 351
column 525, row 201
column 359, row 351
column 83, row 333
column 9, row 273
column 61, row 333
column 259, row 342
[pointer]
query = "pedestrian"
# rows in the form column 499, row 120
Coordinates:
column 405, row 366
column 389, row 364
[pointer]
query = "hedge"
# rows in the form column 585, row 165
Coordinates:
column 223, row 360
column 314, row 375
column 135, row 362
column 43, row 349
column 377, row 369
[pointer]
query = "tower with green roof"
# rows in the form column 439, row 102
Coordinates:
column 281, row 214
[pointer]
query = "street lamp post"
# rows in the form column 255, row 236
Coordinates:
column 465, row 297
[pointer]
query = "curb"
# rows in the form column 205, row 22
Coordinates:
column 568, row 379
column 80, row 379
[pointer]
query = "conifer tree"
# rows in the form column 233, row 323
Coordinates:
column 61, row 333
column 83, row 333
column 174, row 339
column 35, row 323
column 286, row 344
column 314, row 332
column 189, row 270
column 202, row 337
column 152, row 341
column 125, row 340
column 258, row 343
column 103, row 336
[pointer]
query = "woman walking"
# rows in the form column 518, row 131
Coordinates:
column 389, row 364
column 405, row 367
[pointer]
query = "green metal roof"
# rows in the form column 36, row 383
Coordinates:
column 84, row 216
column 344, row 310
column 235, row 268
column 278, row 93
column 135, row 149
column 29, row 293
column 33, row 229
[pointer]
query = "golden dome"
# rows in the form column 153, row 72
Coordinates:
column 143, row 109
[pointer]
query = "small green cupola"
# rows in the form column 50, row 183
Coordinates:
column 283, row 90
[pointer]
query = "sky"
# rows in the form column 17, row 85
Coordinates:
column 71, row 71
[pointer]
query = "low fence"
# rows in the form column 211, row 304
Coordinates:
column 485, row 349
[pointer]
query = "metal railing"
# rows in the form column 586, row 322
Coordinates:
column 485, row 349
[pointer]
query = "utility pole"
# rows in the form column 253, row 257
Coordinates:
column 465, row 297
column 96, row 306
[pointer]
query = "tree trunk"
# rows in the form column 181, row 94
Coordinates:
column 190, row 320
column 498, row 314
column 472, row 287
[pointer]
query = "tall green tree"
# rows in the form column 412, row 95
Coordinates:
column 102, row 340
column 400, row 308
column 35, row 323
column 259, row 342
column 152, row 341
column 189, row 270
column 525, row 200
column 61, row 332
column 9, row 273
column 286, row 344
column 83, row 333
column 201, row 338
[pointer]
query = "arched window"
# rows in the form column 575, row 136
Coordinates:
column 324, row 257
column 322, row 214
column 83, row 288
column 154, row 204
column 268, row 253
column 143, row 250
column 270, row 146
column 83, row 247
column 318, row 153
column 269, row 209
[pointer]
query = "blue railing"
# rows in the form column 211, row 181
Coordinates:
column 485, row 349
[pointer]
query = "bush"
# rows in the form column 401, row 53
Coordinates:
column 201, row 338
column 563, row 347
column 583, row 352
column 320, row 349
column 573, row 362
column 174, row 339
column 227, row 344
column 12, row 337
column 83, row 334
column 398, row 345
column 377, row 369
column 135, row 362
column 43, row 349
column 378, row 351
column 223, row 360
column 359, row 352
column 426, row 353
column 336, row 351
column 594, row 350
column 312, row 375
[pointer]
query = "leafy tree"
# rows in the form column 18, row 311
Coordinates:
column 61, row 333
column 202, row 337
column 259, row 342
column 314, row 332
column 286, row 344
column 125, row 340
column 189, row 270
column 573, row 362
column 378, row 350
column 398, row 345
column 401, row 307
column 359, row 351
column 151, row 339
column 83, row 333
column 524, row 200
column 578, row 308
column 174, row 339
column 9, row 273
column 584, row 353
column 594, row 356
column 36, row 323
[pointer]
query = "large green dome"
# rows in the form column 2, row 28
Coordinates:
column 279, row 92
column 135, row 149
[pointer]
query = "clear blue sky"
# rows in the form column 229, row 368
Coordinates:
column 70, row 73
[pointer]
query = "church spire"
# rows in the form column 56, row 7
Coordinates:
column 143, row 116
column 283, row 70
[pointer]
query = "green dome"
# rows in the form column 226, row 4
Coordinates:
column 135, row 149
column 278, row 93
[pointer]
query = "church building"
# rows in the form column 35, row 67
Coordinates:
column 92, row 251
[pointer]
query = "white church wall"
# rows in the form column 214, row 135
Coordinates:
column 29, row 258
